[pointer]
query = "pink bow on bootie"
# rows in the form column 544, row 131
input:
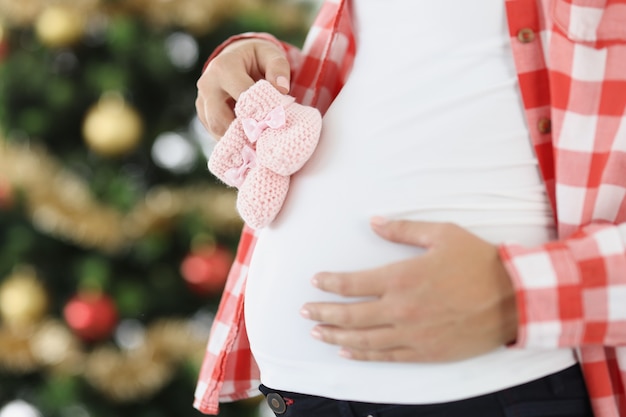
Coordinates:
column 275, row 119
column 237, row 175
column 270, row 139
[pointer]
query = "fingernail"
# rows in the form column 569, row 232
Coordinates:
column 344, row 353
column 304, row 312
column 378, row 221
column 315, row 281
column 316, row 334
column 283, row 82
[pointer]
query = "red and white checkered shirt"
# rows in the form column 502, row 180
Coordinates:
column 571, row 62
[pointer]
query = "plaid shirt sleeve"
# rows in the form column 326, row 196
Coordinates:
column 572, row 292
column 228, row 372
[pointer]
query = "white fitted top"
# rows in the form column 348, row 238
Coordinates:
column 428, row 127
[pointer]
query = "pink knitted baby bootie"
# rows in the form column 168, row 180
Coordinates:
column 261, row 196
column 232, row 156
column 285, row 132
column 271, row 138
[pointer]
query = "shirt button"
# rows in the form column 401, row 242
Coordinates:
column 276, row 403
column 526, row 35
column 544, row 125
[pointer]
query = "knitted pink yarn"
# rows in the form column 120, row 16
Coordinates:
column 227, row 153
column 257, row 101
column 261, row 197
column 284, row 150
column 270, row 139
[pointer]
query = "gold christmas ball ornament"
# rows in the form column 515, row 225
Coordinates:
column 59, row 26
column 23, row 299
column 112, row 127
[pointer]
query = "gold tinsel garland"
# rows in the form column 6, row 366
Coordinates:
column 59, row 203
column 122, row 375
column 195, row 16
column 179, row 12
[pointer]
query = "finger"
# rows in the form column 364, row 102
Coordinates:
column 424, row 234
column 354, row 284
column 404, row 354
column 421, row 352
column 214, row 105
column 200, row 111
column 373, row 338
column 235, row 85
column 226, row 77
column 273, row 63
column 347, row 315
column 218, row 119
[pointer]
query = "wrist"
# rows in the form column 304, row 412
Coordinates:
column 508, row 304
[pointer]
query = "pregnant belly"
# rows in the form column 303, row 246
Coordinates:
column 322, row 230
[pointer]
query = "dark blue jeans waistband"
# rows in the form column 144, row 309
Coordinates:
column 562, row 394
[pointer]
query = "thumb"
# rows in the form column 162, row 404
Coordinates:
column 273, row 63
column 409, row 232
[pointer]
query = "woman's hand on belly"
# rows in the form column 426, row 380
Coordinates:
column 452, row 302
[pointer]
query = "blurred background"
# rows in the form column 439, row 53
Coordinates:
column 115, row 240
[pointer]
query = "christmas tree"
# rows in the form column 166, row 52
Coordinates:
column 115, row 241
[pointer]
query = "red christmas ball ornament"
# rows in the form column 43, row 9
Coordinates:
column 206, row 270
column 91, row 315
